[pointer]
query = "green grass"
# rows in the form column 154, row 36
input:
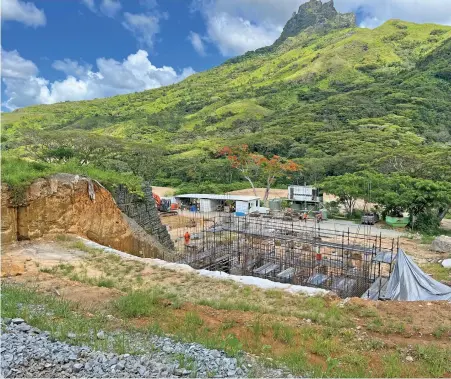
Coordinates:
column 437, row 271
column 65, row 317
column 115, row 273
column 63, row 238
column 187, row 363
column 296, row 362
column 228, row 324
column 375, row 325
column 65, row 268
column 257, row 328
column 140, row 303
column 428, row 238
column 230, row 305
column 436, row 361
column 440, row 331
column 19, row 174
column 392, row 365
column 324, row 347
column 104, row 282
column 283, row 333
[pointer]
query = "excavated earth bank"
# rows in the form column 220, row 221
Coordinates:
column 65, row 203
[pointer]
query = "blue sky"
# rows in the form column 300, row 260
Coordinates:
column 58, row 50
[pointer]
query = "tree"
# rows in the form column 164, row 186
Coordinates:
column 420, row 197
column 274, row 168
column 143, row 159
column 348, row 188
column 425, row 200
column 244, row 161
column 255, row 166
column 88, row 148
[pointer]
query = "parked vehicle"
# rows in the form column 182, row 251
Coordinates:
column 370, row 218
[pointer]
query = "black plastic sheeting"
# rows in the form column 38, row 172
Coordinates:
column 409, row 283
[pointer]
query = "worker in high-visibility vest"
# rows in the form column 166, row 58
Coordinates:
column 187, row 237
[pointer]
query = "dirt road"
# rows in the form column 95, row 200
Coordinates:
column 344, row 226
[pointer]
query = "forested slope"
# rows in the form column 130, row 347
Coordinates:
column 331, row 96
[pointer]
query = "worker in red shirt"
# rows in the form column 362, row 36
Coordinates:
column 187, row 237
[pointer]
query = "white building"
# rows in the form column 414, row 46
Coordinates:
column 213, row 203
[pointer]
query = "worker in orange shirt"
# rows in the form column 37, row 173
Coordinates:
column 187, row 237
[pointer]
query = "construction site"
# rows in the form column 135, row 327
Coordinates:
column 285, row 249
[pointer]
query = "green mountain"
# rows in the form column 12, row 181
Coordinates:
column 334, row 97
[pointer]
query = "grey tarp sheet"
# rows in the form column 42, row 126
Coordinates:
column 409, row 283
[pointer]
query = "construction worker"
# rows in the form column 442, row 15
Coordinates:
column 304, row 217
column 187, row 237
column 319, row 217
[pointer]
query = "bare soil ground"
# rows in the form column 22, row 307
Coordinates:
column 367, row 338
column 163, row 191
column 28, row 257
column 273, row 194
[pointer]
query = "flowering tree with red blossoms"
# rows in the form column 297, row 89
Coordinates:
column 252, row 166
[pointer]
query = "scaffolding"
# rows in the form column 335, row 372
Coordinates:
column 288, row 250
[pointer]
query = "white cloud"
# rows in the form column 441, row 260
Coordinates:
column 24, row 12
column 236, row 35
column 110, row 7
column 197, row 42
column 236, row 26
column 143, row 26
column 273, row 12
column 70, row 67
column 90, row 4
column 136, row 73
column 16, row 67
column 377, row 12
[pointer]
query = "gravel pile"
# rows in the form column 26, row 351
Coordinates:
column 27, row 352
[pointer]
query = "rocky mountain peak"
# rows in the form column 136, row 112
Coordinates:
column 315, row 14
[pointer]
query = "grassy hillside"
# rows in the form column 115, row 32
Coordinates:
column 334, row 98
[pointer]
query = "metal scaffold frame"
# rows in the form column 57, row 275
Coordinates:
column 290, row 251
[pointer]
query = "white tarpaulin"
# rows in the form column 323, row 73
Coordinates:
column 409, row 283
column 247, row 280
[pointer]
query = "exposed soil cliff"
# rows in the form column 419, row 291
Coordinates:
column 65, row 203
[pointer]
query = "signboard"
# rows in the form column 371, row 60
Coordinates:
column 302, row 193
